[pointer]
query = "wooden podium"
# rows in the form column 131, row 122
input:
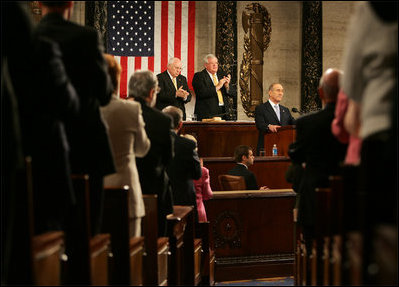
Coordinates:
column 283, row 138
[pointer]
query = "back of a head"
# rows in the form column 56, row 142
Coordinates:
column 114, row 70
column 175, row 113
column 329, row 83
column 141, row 83
column 55, row 4
column 240, row 151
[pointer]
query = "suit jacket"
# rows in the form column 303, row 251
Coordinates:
column 128, row 140
column 167, row 95
column 207, row 103
column 45, row 99
column 82, row 52
column 316, row 146
column 249, row 176
column 203, row 192
column 184, row 167
column 265, row 115
column 152, row 167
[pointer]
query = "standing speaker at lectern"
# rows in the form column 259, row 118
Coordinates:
column 270, row 116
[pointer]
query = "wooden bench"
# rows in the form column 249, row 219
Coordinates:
column 126, row 260
column 87, row 257
column 208, row 254
column 155, row 261
column 182, row 246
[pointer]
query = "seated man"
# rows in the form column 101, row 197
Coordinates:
column 244, row 157
column 270, row 116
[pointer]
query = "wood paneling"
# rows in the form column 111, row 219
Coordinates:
column 269, row 170
column 220, row 138
column 252, row 233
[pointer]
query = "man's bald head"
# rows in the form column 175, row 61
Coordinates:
column 329, row 85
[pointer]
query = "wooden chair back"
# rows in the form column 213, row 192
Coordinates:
column 231, row 182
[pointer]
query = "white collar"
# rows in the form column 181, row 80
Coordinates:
column 273, row 104
column 170, row 75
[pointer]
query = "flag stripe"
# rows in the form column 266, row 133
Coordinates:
column 191, row 43
column 123, row 87
column 151, row 63
column 178, row 11
column 164, row 36
column 137, row 63
column 184, row 35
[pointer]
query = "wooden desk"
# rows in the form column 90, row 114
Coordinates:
column 221, row 138
column 269, row 170
column 252, row 233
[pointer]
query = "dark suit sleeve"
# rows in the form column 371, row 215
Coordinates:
column 165, row 96
column 261, row 120
column 63, row 102
column 251, row 182
column 185, row 87
column 202, row 88
column 297, row 149
column 169, row 142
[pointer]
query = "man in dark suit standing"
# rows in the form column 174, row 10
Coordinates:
column 174, row 89
column 185, row 166
column 244, row 158
column 211, row 90
column 318, row 149
column 143, row 87
column 270, row 116
column 82, row 52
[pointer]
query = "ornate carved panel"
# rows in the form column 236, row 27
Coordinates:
column 226, row 48
column 312, row 54
column 257, row 23
column 227, row 230
column 96, row 17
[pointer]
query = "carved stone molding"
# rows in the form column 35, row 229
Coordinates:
column 96, row 17
column 257, row 23
column 312, row 54
column 226, row 49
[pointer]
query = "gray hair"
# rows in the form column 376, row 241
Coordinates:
column 175, row 113
column 209, row 56
column 272, row 85
column 141, row 83
column 172, row 60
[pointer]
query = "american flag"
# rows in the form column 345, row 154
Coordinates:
column 146, row 34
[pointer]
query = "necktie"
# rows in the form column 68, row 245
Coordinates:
column 174, row 83
column 220, row 97
column 276, row 108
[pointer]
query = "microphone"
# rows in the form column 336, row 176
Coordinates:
column 295, row 110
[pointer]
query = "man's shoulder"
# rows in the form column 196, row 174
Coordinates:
column 162, row 74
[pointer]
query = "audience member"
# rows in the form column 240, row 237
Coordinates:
column 339, row 131
column 244, row 158
column 185, row 166
column 128, row 141
column 37, row 98
column 174, row 89
column 211, row 89
column 319, row 150
column 270, row 116
column 143, row 87
column 370, row 82
column 202, row 186
column 82, row 53
column 46, row 101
